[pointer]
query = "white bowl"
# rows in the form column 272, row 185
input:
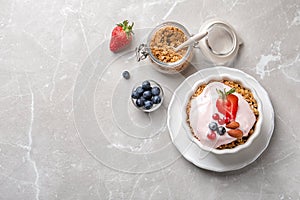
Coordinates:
column 220, row 77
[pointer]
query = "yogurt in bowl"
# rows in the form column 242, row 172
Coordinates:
column 223, row 114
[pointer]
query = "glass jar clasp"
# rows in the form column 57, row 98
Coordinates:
column 141, row 52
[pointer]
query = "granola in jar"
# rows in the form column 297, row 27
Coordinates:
column 164, row 41
column 160, row 48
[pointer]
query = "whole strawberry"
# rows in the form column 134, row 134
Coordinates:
column 121, row 36
column 227, row 103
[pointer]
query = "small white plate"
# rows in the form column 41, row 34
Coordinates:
column 210, row 161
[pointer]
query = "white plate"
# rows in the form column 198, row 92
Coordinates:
column 207, row 160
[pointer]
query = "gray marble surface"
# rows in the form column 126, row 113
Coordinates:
column 58, row 79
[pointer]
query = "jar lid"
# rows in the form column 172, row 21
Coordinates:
column 221, row 44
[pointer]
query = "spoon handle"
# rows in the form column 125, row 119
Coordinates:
column 191, row 40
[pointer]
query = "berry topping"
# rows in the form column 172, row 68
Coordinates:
column 212, row 135
column 216, row 116
column 226, row 120
column 221, row 130
column 221, row 121
column 213, row 126
column 227, row 103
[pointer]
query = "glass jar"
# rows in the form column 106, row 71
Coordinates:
column 154, row 104
column 221, row 44
column 160, row 48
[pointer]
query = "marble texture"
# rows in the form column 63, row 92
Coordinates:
column 50, row 54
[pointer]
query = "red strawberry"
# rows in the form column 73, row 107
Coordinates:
column 121, row 36
column 227, row 103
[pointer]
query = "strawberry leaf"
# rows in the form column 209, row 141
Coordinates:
column 126, row 27
column 232, row 90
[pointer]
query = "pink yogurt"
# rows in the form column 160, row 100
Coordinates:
column 204, row 106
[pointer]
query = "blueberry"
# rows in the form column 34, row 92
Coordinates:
column 213, row 126
column 139, row 90
column 142, row 98
column 148, row 105
column 156, row 99
column 147, row 94
column 221, row 130
column 140, row 102
column 155, row 91
column 146, row 85
column 135, row 95
column 126, row 75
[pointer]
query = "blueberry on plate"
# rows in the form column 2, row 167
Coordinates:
column 156, row 99
column 147, row 94
column 135, row 95
column 155, row 91
column 146, row 85
column 140, row 102
column 148, row 105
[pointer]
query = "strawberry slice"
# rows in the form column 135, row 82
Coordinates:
column 227, row 103
column 121, row 36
